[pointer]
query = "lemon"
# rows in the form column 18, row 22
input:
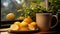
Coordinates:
column 10, row 16
column 28, row 19
column 19, row 10
column 14, row 27
column 17, row 23
column 21, row 18
column 33, row 24
column 24, row 24
column 31, row 27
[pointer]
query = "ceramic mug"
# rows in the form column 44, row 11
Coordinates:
column 43, row 21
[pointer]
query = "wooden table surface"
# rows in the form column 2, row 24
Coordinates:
column 49, row 32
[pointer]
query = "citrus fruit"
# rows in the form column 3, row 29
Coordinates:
column 28, row 20
column 14, row 27
column 10, row 16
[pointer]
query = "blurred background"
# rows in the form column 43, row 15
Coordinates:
column 26, row 8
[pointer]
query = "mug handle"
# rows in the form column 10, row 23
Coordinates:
column 56, row 22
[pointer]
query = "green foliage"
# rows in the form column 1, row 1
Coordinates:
column 34, row 7
column 54, row 6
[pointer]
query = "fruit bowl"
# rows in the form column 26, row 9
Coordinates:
column 25, row 31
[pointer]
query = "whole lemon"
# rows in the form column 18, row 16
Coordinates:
column 28, row 20
column 21, row 18
column 10, row 16
column 33, row 24
column 17, row 23
column 24, row 24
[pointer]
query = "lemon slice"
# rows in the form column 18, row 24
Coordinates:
column 14, row 27
column 31, row 27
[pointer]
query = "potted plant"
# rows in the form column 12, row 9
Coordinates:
column 35, row 6
column 39, row 6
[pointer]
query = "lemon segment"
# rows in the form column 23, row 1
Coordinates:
column 31, row 27
column 14, row 27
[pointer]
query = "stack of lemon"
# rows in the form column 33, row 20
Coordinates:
column 26, row 24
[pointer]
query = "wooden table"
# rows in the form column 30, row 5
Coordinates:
column 49, row 32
